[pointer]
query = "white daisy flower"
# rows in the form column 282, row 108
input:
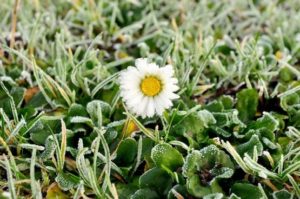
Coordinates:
column 147, row 89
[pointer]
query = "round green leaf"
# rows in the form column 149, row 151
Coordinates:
column 126, row 152
column 156, row 179
column 246, row 191
column 167, row 157
column 145, row 194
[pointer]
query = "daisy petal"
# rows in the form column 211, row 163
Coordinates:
column 147, row 89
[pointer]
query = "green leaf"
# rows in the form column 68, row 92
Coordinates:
column 282, row 194
column 288, row 101
column 178, row 191
column 228, row 118
column 82, row 120
column 247, row 102
column 206, row 117
column 264, row 127
column 92, row 108
column 286, row 75
column 128, row 189
column 126, row 152
column 156, row 179
column 28, row 112
column 194, row 123
column 214, row 196
column 246, row 191
column 165, row 156
column 227, row 102
column 148, row 144
column 15, row 95
column 214, row 106
column 77, row 110
column 37, row 101
column 248, row 147
column 203, row 169
column 221, row 131
column 267, row 121
column 194, row 126
column 42, row 129
column 49, row 148
column 207, row 158
column 145, row 194
column 67, row 181
column 196, row 187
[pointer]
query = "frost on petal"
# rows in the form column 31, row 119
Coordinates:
column 162, row 103
column 141, row 107
column 133, row 71
column 134, row 101
column 173, row 96
column 130, row 71
column 150, row 108
column 130, row 85
column 165, row 98
column 171, row 87
column 173, row 80
column 168, row 70
column 141, row 64
column 158, row 107
column 152, row 69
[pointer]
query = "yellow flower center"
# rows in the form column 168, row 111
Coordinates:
column 151, row 86
column 278, row 55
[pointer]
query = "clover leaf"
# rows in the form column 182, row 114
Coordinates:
column 204, row 167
